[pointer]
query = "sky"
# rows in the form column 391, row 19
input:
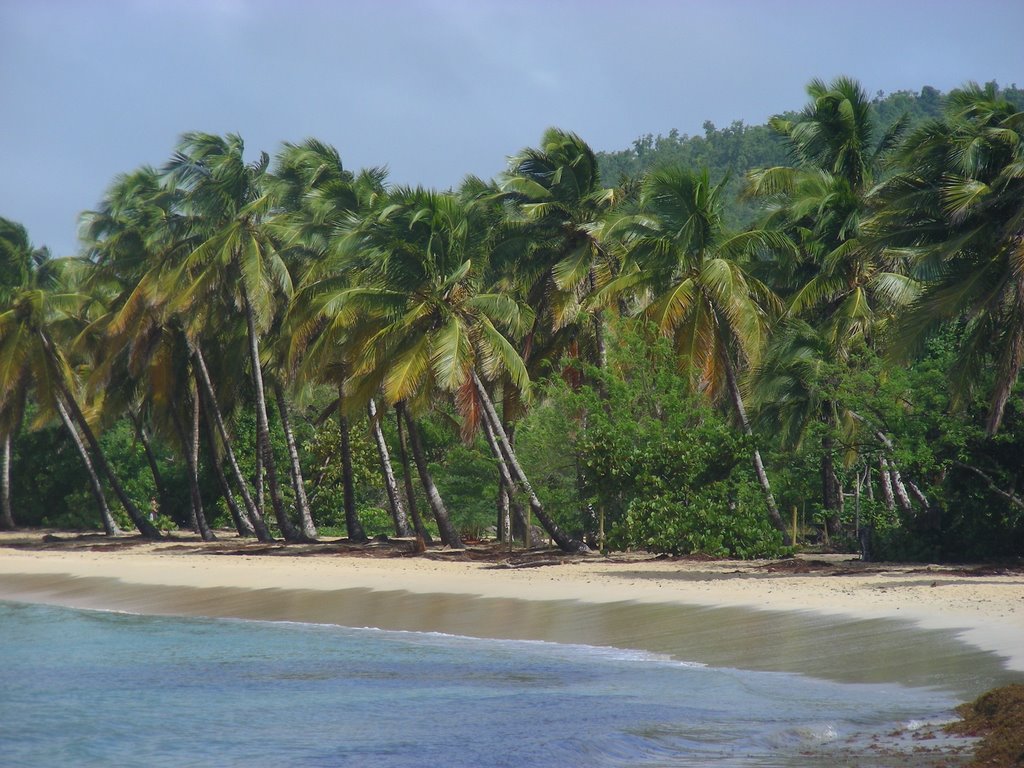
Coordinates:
column 435, row 89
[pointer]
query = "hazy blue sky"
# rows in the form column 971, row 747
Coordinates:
column 435, row 89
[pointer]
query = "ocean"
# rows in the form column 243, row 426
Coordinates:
column 95, row 688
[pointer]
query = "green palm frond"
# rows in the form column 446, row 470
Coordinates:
column 451, row 354
column 499, row 356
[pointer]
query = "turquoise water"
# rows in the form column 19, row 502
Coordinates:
column 89, row 688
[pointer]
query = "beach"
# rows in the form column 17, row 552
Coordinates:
column 816, row 660
column 823, row 611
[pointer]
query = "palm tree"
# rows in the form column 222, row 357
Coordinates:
column 429, row 329
column 957, row 212
column 135, row 241
column 29, row 351
column 237, row 261
column 321, row 204
column 18, row 260
column 549, row 246
column 847, row 290
column 686, row 273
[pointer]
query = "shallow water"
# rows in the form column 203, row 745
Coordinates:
column 834, row 648
column 90, row 688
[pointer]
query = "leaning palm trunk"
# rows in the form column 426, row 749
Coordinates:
column 197, row 518
column 390, row 484
column 95, row 486
column 506, row 456
column 146, row 528
column 352, row 523
column 295, row 467
column 410, row 491
column 251, row 510
column 509, row 487
column 263, row 446
column 6, row 513
column 154, row 468
column 238, row 517
column 448, row 533
column 762, row 476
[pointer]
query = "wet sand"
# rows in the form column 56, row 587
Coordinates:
column 961, row 629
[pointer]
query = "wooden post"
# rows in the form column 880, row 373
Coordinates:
column 794, row 525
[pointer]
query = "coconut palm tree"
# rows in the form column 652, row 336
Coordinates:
column 18, row 260
column 135, row 240
column 549, row 246
column 237, row 263
column 846, row 290
column 687, row 275
column 321, row 204
column 957, row 212
column 431, row 330
column 31, row 317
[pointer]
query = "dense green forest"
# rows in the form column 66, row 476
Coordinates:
column 701, row 344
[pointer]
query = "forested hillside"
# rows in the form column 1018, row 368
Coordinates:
column 734, row 150
column 603, row 350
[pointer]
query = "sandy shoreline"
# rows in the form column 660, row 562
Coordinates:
column 983, row 608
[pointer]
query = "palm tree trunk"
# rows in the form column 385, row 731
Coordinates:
column 263, row 446
column 147, row 447
column 508, row 485
column 886, row 481
column 6, row 513
column 899, row 489
column 831, row 492
column 258, row 479
column 255, row 518
column 197, row 518
column 515, row 470
column 146, row 528
column 390, row 484
column 762, row 476
column 301, row 502
column 352, row 523
column 504, row 508
column 410, row 491
column 1008, row 372
column 109, row 524
column 448, row 533
column 238, row 517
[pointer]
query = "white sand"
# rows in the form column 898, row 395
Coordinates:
column 986, row 611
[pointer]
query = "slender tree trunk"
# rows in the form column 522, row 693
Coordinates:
column 515, row 470
column 301, row 502
column 1007, row 372
column 7, row 512
column 390, row 483
column 109, row 524
column 352, row 522
column 762, row 476
column 253, row 513
column 509, row 487
column 900, row 490
column 831, row 493
column 238, row 517
column 146, row 528
column 886, row 482
column 449, row 535
column 197, row 518
column 258, row 479
column 504, row 509
column 264, row 447
column 410, row 491
column 147, row 448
